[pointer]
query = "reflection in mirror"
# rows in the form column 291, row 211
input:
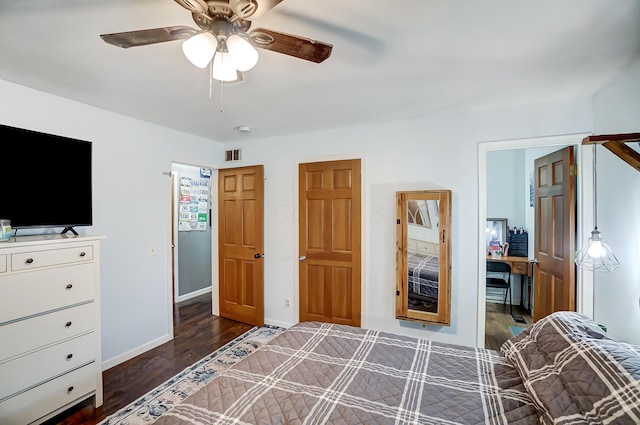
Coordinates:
column 496, row 232
column 418, row 212
column 422, row 256
column 423, row 261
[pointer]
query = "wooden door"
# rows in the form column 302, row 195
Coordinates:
column 554, row 277
column 330, row 229
column 241, row 244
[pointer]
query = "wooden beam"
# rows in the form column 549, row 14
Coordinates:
column 627, row 137
column 616, row 144
column 625, row 153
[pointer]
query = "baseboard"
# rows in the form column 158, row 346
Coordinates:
column 193, row 294
column 498, row 300
column 108, row 364
column 278, row 323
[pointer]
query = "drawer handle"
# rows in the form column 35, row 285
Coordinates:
column 69, row 286
column 69, row 356
column 82, row 254
column 29, row 260
column 67, row 324
column 69, row 389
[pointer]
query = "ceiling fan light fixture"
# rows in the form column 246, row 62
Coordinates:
column 243, row 55
column 195, row 6
column 223, row 69
column 200, row 48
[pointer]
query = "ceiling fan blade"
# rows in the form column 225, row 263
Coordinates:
column 292, row 45
column 148, row 36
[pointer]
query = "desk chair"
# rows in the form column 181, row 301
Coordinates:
column 499, row 276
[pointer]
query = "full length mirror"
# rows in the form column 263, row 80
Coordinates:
column 423, row 278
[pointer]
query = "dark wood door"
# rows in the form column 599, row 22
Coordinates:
column 241, row 244
column 330, row 229
column 554, row 277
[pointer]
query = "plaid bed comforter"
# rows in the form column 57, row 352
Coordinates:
column 319, row 373
column 423, row 274
column 576, row 373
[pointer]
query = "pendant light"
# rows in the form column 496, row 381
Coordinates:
column 595, row 254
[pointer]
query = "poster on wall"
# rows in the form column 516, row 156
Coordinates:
column 194, row 203
column 531, row 189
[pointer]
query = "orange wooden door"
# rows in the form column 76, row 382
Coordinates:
column 241, row 244
column 330, row 229
column 554, row 278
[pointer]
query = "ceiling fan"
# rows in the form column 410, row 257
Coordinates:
column 224, row 39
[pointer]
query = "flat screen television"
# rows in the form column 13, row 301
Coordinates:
column 45, row 180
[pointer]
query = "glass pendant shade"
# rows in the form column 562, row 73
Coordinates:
column 243, row 55
column 223, row 68
column 200, row 48
column 595, row 255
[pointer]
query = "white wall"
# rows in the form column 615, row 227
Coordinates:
column 617, row 294
column 439, row 152
column 505, row 197
column 131, row 201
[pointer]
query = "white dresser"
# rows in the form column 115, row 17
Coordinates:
column 50, row 355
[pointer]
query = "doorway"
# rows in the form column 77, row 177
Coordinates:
column 584, row 297
column 191, row 231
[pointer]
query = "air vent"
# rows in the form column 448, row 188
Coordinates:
column 232, row 155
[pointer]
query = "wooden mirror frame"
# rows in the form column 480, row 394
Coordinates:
column 442, row 315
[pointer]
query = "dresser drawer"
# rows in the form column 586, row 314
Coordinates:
column 423, row 247
column 3, row 263
column 41, row 331
column 30, row 260
column 25, row 294
column 38, row 367
column 51, row 396
column 520, row 268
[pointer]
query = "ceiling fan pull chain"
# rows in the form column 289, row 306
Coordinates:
column 210, row 80
column 221, row 95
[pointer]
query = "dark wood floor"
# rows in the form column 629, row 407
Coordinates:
column 497, row 322
column 197, row 333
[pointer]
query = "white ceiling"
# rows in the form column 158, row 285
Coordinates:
column 391, row 60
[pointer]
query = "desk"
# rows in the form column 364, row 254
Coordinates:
column 523, row 267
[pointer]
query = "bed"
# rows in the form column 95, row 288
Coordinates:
column 423, row 276
column 564, row 369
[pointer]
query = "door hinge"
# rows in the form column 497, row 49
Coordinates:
column 398, row 221
column 573, row 170
column 398, row 293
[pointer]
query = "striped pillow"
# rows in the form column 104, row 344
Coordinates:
column 575, row 373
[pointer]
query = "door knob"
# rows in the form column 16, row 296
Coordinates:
column 302, row 258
